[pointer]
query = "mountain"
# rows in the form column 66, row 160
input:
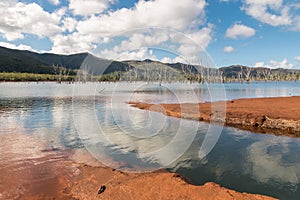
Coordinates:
column 26, row 61
column 248, row 73
column 12, row 60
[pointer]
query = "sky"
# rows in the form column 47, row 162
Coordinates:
column 256, row 33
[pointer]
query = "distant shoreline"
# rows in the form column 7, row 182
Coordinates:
column 114, row 77
column 276, row 115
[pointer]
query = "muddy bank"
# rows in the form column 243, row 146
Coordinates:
column 152, row 185
column 155, row 185
column 280, row 115
column 62, row 175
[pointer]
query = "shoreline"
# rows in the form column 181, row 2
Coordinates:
column 88, row 175
column 152, row 185
column 272, row 115
column 75, row 174
column 113, row 81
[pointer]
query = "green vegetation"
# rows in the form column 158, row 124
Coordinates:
column 30, row 77
column 11, row 76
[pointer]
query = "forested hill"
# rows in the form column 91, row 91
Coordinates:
column 30, row 62
column 12, row 60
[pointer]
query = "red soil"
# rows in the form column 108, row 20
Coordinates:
column 280, row 115
column 61, row 176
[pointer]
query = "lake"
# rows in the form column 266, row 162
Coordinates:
column 40, row 118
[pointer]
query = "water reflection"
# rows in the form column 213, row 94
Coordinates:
column 245, row 161
column 39, row 123
column 268, row 164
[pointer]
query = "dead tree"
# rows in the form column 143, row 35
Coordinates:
column 247, row 73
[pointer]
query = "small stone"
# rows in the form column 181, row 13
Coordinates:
column 102, row 189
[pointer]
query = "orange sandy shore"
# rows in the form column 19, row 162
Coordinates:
column 280, row 115
column 82, row 181
column 64, row 177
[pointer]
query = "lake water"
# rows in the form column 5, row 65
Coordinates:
column 50, row 117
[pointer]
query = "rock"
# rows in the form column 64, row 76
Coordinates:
column 102, row 189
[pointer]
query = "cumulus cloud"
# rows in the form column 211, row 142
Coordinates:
column 228, row 49
column 271, row 12
column 297, row 59
column 186, row 16
column 259, row 64
column 21, row 18
column 194, row 41
column 280, row 64
column 13, row 46
column 88, row 7
column 73, row 43
column 295, row 26
column 273, row 64
column 100, row 25
column 54, row 2
column 180, row 15
column 138, row 54
column 69, row 24
column 178, row 44
column 239, row 31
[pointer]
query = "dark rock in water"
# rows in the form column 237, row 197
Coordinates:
column 102, row 189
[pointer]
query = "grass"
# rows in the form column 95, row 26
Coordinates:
column 30, row 77
column 18, row 77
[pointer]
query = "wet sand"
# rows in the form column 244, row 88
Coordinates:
column 28, row 170
column 280, row 115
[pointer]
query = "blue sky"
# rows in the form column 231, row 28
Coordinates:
column 248, row 32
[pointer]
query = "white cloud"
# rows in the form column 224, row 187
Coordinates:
column 180, row 59
column 271, row 12
column 295, row 26
column 239, row 31
column 20, row 18
column 13, row 46
column 54, row 2
column 88, row 7
column 297, row 59
column 228, row 49
column 260, row 64
column 281, row 64
column 167, row 60
column 177, row 44
column 184, row 16
column 72, row 43
column 138, row 40
column 199, row 39
column 273, row 64
column 179, row 15
column 138, row 54
column 100, row 25
column 69, row 24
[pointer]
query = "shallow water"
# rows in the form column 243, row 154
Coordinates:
column 46, row 119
